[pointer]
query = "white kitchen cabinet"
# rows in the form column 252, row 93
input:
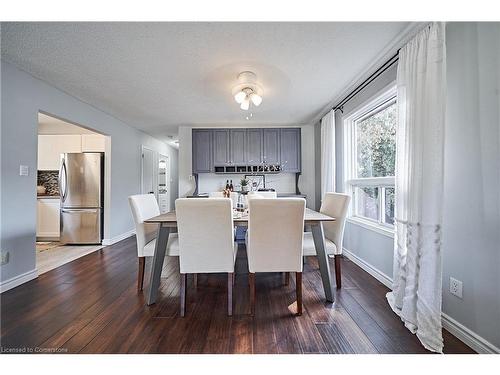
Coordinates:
column 48, row 221
column 50, row 148
column 92, row 143
column 163, row 203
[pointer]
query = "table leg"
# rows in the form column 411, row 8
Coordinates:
column 324, row 267
column 158, row 258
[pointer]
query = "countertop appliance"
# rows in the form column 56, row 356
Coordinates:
column 82, row 197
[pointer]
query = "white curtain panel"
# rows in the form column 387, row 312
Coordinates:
column 421, row 85
column 328, row 153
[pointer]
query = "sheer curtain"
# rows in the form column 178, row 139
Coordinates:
column 416, row 294
column 328, row 153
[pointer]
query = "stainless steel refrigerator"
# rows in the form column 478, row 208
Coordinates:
column 81, row 188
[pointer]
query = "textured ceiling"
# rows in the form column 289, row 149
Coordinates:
column 157, row 76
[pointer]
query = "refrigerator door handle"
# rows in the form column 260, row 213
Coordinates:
column 65, row 180
column 63, row 172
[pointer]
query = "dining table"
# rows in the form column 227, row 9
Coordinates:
column 167, row 222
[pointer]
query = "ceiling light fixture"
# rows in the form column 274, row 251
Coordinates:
column 247, row 91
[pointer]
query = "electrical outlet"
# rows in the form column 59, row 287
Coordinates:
column 456, row 287
column 5, row 258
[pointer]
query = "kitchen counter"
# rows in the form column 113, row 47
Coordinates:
column 40, row 196
column 280, row 195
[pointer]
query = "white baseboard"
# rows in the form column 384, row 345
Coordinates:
column 120, row 237
column 379, row 275
column 18, row 280
column 464, row 334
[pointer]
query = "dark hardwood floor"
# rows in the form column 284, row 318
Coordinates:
column 91, row 306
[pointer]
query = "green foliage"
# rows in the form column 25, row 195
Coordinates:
column 376, row 157
column 376, row 144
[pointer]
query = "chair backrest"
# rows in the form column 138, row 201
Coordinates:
column 275, row 233
column 206, row 237
column 220, row 194
column 144, row 206
column 335, row 205
column 262, row 194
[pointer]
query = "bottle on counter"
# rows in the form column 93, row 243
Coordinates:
column 227, row 184
column 231, row 187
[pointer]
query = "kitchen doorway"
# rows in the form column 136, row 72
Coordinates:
column 62, row 203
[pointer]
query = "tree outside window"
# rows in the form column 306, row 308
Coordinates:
column 371, row 146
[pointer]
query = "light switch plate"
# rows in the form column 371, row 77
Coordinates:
column 5, row 257
column 24, row 170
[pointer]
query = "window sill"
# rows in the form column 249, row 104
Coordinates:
column 371, row 226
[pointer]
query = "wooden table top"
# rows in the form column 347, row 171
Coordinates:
column 310, row 217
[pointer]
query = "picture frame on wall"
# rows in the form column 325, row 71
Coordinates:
column 256, row 181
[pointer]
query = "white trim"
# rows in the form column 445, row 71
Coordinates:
column 373, row 181
column 465, row 335
column 18, row 280
column 379, row 275
column 120, row 237
column 373, row 226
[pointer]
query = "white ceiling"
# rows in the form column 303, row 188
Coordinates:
column 157, row 76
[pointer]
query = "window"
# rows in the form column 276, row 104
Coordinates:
column 370, row 156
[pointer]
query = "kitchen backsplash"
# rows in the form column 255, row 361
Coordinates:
column 49, row 180
column 281, row 182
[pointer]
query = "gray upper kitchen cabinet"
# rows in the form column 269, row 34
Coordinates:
column 202, row 151
column 221, row 147
column 237, row 146
column 271, row 141
column 254, row 146
column 226, row 150
column 290, row 149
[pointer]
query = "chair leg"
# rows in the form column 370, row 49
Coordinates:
column 251, row 280
column 183, row 294
column 338, row 278
column 140, row 273
column 287, row 278
column 298, row 285
column 230, row 282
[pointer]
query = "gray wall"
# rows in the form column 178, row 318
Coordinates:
column 471, row 219
column 22, row 96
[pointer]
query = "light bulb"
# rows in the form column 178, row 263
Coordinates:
column 245, row 104
column 256, row 99
column 240, row 96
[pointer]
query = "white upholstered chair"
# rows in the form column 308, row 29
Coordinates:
column 274, row 242
column 145, row 206
column 220, row 194
column 206, row 241
column 262, row 194
column 334, row 205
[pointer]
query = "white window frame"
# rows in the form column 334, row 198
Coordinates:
column 380, row 101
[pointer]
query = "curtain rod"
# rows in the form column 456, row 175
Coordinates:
column 367, row 81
